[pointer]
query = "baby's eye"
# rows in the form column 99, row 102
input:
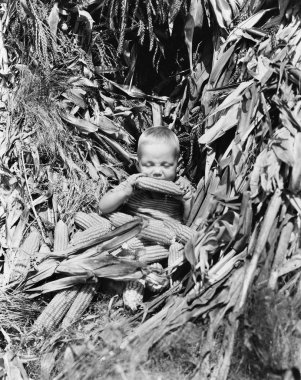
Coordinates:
column 166, row 165
column 148, row 164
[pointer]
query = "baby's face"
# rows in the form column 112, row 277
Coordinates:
column 158, row 160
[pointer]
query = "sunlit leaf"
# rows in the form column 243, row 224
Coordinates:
column 224, row 124
column 84, row 126
column 220, row 65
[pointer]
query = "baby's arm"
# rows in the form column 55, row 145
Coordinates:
column 187, row 188
column 118, row 196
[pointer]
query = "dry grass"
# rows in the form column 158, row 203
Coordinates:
column 90, row 349
column 77, row 194
column 17, row 312
column 268, row 340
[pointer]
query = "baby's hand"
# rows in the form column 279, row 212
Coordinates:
column 130, row 182
column 186, row 187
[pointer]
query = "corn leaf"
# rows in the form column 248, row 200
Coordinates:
column 224, row 124
column 56, row 285
column 107, row 126
column 220, row 65
column 53, row 19
column 234, row 97
column 124, row 155
column 105, row 265
column 134, row 92
column 78, row 81
column 246, row 24
column 83, row 126
column 76, row 96
column 283, row 146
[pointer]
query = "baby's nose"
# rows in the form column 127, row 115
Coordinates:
column 157, row 172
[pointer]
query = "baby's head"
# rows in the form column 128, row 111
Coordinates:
column 158, row 153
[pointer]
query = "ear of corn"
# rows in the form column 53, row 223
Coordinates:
column 153, row 253
column 183, row 233
column 162, row 186
column 80, row 304
column 92, row 237
column 60, row 236
column 176, row 255
column 168, row 207
column 88, row 237
column 44, row 248
column 84, row 220
column 128, row 249
column 126, row 255
column 157, row 267
column 156, row 281
column 133, row 295
column 55, row 311
column 118, row 218
column 133, row 244
column 22, row 262
column 155, row 231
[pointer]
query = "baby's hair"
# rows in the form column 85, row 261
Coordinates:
column 158, row 134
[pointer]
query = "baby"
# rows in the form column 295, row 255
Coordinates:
column 158, row 153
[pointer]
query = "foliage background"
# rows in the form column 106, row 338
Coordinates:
column 79, row 82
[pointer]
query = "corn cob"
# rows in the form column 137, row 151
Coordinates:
column 119, row 218
column 156, row 281
column 79, row 305
column 159, row 185
column 156, row 232
column 44, row 248
column 24, row 254
column 152, row 253
column 165, row 208
column 91, row 238
column 88, row 236
column 183, row 233
column 133, row 295
column 129, row 248
column 84, row 220
column 133, row 244
column 126, row 255
column 176, row 255
column 157, row 267
column 116, row 252
column 60, row 236
column 55, row 311
column 142, row 198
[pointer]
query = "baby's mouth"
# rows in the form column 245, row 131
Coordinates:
column 158, row 176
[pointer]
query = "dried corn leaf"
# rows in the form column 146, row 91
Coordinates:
column 83, row 126
column 107, row 126
column 265, row 174
column 220, row 65
column 89, row 270
column 295, row 183
column 76, row 96
column 99, row 266
column 121, row 151
column 283, row 146
column 227, row 121
column 291, row 265
column 238, row 31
